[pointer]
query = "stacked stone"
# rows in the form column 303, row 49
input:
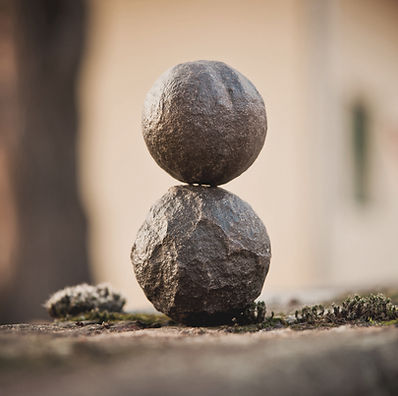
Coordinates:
column 202, row 254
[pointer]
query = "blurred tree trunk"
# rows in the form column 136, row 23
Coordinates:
column 50, row 250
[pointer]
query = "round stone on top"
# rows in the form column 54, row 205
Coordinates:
column 204, row 122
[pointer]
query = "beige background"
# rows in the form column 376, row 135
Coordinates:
column 309, row 60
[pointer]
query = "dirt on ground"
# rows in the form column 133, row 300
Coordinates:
column 121, row 358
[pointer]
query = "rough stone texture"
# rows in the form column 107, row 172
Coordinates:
column 204, row 122
column 202, row 255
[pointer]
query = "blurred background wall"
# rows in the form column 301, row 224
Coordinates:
column 42, row 223
column 326, row 182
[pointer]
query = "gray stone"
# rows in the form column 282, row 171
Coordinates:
column 202, row 255
column 204, row 122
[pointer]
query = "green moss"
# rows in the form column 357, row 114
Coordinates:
column 253, row 314
column 391, row 293
column 142, row 319
column 268, row 323
column 82, row 298
column 369, row 309
column 389, row 323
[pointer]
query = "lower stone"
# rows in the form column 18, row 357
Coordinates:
column 201, row 255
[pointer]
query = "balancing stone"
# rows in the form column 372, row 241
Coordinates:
column 202, row 255
column 204, row 122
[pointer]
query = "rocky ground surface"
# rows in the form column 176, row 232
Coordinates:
column 121, row 358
